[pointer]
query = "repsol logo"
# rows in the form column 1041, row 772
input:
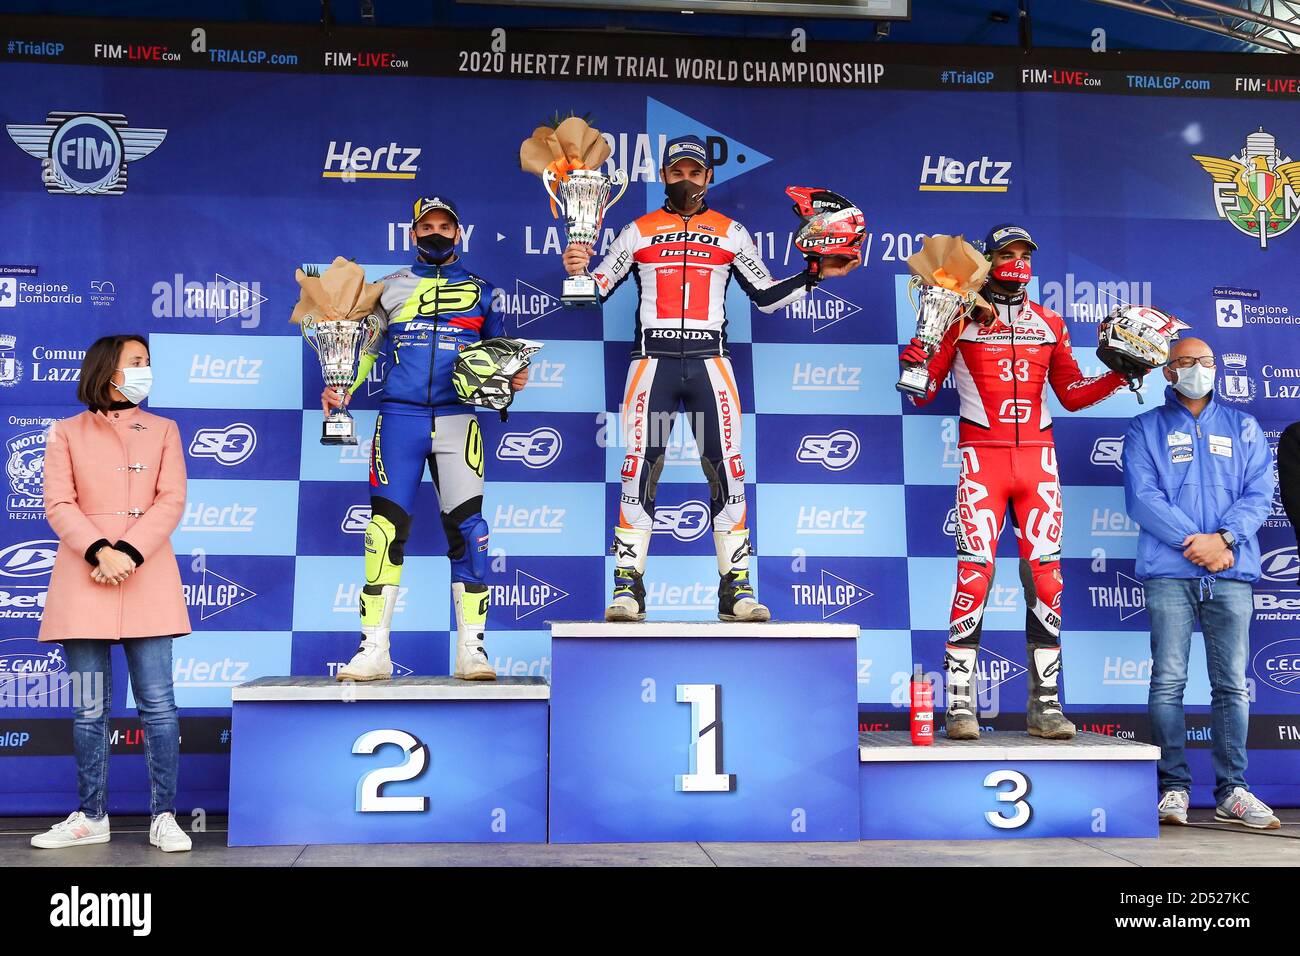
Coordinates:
column 700, row 238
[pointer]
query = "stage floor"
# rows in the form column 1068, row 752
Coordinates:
column 1203, row 843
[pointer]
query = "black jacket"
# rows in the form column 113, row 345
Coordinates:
column 1288, row 475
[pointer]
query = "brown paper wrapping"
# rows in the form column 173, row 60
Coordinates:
column 951, row 262
column 340, row 292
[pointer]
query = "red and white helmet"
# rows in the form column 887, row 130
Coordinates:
column 1134, row 339
column 832, row 226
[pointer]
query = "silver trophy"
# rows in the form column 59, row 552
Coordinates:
column 340, row 343
column 936, row 312
column 583, row 197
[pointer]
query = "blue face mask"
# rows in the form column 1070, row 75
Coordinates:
column 436, row 247
column 136, row 382
column 1194, row 382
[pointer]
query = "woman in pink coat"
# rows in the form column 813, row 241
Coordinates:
column 114, row 493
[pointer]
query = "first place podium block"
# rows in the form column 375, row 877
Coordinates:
column 703, row 731
column 1007, row 784
column 413, row 760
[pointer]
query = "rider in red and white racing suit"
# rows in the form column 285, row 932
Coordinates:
column 1003, row 364
column 682, row 257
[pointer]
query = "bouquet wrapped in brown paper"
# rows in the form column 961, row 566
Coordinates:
column 947, row 273
column 336, row 311
column 567, row 155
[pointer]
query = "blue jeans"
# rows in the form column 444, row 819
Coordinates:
column 149, row 660
column 1225, row 611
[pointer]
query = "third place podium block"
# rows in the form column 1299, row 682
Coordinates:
column 1007, row 784
column 413, row 760
column 703, row 731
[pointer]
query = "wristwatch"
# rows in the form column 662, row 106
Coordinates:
column 1229, row 538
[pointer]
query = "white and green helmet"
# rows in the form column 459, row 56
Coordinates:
column 482, row 373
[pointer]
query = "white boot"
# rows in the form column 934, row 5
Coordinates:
column 630, row 550
column 372, row 661
column 736, row 600
column 960, row 720
column 471, row 617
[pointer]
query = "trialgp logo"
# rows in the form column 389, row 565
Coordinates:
column 1255, row 190
column 85, row 154
column 528, row 594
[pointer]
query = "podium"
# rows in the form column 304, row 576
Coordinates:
column 412, row 760
column 691, row 731
column 1006, row 785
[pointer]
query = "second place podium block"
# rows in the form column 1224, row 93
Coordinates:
column 413, row 760
column 703, row 731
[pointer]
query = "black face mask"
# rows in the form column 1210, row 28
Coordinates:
column 435, row 247
column 683, row 193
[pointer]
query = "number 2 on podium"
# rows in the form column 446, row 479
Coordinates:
column 706, row 740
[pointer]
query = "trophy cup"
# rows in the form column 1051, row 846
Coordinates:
column 567, row 156
column 944, row 289
column 337, row 314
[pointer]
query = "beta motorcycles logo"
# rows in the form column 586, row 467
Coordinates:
column 227, row 446
column 25, row 469
column 536, row 449
column 1280, row 566
column 834, row 452
column 1278, row 665
column 1256, row 190
column 28, row 559
column 85, row 154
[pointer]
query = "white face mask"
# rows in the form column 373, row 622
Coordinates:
column 136, row 382
column 1195, row 382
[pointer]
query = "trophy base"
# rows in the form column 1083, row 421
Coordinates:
column 580, row 293
column 915, row 380
column 338, row 431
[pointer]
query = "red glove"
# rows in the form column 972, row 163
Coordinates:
column 914, row 354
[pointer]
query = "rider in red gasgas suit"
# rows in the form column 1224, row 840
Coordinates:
column 1003, row 362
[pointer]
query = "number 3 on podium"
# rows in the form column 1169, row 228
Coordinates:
column 1015, row 796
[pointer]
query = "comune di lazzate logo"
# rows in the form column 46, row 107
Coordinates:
column 1256, row 190
column 85, row 154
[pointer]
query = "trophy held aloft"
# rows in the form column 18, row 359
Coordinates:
column 567, row 157
column 947, row 275
column 336, row 311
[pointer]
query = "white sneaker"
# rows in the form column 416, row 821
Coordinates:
column 166, row 834
column 371, row 662
column 77, row 830
column 1173, row 807
column 472, row 663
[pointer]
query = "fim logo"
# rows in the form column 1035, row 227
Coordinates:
column 685, row 522
column 1127, row 596
column 1227, row 313
column 215, row 593
column 1235, row 385
column 822, row 307
column 25, row 469
column 536, row 449
column 528, row 594
column 85, row 154
column 1108, row 451
column 527, row 304
column 834, row 452
column 1278, row 665
column 356, row 519
column 1256, row 190
column 227, row 446
column 832, row 594
column 11, row 368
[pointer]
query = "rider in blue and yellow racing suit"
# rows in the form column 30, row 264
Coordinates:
column 430, row 310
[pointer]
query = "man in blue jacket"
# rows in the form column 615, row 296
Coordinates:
column 1198, row 478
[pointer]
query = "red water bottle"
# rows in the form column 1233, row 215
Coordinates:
column 922, row 711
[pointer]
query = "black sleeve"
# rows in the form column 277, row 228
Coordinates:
column 90, row 552
column 1288, row 474
column 129, row 550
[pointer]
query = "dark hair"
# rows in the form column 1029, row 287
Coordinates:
column 97, row 369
